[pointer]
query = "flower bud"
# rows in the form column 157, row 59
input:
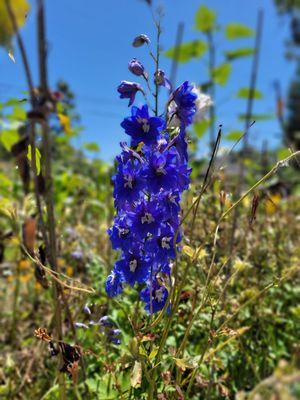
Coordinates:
column 140, row 40
column 136, row 67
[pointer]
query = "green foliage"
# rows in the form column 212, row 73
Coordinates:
column 201, row 127
column 237, row 31
column 221, row 73
column 91, row 146
column 244, row 93
column 205, row 19
column 187, row 51
column 234, row 135
column 20, row 9
column 257, row 117
column 282, row 153
column 238, row 53
column 8, row 138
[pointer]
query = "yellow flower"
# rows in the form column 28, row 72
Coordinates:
column 70, row 271
column 272, row 203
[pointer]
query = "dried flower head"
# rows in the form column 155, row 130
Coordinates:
column 42, row 334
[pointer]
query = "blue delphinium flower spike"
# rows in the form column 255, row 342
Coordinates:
column 151, row 175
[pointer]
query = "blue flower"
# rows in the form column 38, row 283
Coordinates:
column 171, row 203
column 182, row 104
column 184, row 173
column 107, row 329
column 155, row 296
column 162, row 245
column 134, row 266
column 120, row 233
column 128, row 90
column 105, row 321
column 141, row 127
column 112, row 336
column 113, row 284
column 161, row 171
column 146, row 218
column 128, row 182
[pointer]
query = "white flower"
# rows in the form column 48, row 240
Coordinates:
column 203, row 103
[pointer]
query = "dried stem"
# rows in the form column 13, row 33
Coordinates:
column 52, row 251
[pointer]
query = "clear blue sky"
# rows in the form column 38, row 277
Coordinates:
column 90, row 46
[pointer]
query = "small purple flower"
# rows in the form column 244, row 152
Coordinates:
column 160, row 79
column 78, row 254
column 137, row 68
column 105, row 321
column 107, row 327
column 80, row 325
column 115, row 340
column 128, row 90
column 87, row 309
column 140, row 40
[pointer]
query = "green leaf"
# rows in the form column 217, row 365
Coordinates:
column 237, row 31
column 14, row 102
column 244, row 93
column 187, row 51
column 59, row 107
column 283, row 153
column 241, row 52
column 18, row 114
column 20, row 10
column 91, row 146
column 37, row 158
column 153, row 353
column 9, row 138
column 221, row 73
column 205, row 19
column 234, row 135
column 5, row 181
column 257, row 117
column 201, row 127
